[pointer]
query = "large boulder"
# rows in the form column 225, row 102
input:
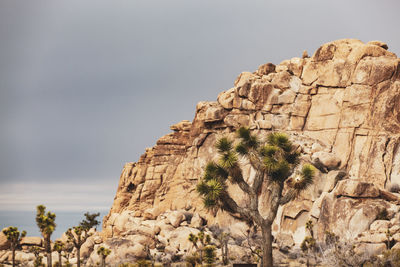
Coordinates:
column 196, row 221
column 4, row 243
column 356, row 188
column 175, row 218
column 328, row 160
column 32, row 241
column 347, row 216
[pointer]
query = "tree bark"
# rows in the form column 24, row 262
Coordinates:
column 13, row 256
column 266, row 245
column 48, row 251
column 78, row 256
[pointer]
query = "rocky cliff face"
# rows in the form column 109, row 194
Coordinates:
column 342, row 106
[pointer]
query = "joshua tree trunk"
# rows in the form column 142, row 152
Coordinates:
column 78, row 256
column 59, row 259
column 13, row 256
column 266, row 245
column 103, row 261
column 48, row 251
column 201, row 255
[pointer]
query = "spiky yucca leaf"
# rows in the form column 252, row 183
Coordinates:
column 209, row 203
column 270, row 164
column 211, row 167
column 293, row 157
column 305, row 177
column 228, row 160
column 244, row 133
column 281, row 140
column 268, row 150
column 215, row 188
column 281, row 172
column 214, row 171
column 242, row 149
column 202, row 188
column 253, row 142
column 224, row 145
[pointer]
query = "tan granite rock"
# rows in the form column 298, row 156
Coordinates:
column 345, row 98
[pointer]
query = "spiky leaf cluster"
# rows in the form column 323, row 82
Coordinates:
column 104, row 252
column 304, row 177
column 212, row 186
column 278, row 154
column 59, row 246
column 309, row 243
column 45, row 221
column 90, row 221
column 13, row 235
column 209, row 254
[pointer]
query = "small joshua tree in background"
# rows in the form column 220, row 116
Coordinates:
column 47, row 225
column 273, row 161
column 79, row 234
column 59, row 247
column 203, row 239
column 90, row 220
column 309, row 243
column 14, row 236
column 209, row 255
column 103, row 252
column 223, row 239
column 38, row 258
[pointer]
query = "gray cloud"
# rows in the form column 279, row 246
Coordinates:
column 86, row 85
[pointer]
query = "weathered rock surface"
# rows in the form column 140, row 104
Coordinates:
column 4, row 243
column 32, row 241
column 342, row 106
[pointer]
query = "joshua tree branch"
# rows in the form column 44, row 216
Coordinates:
column 237, row 177
column 288, row 196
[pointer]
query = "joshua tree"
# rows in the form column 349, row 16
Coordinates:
column 204, row 240
column 90, row 221
column 59, row 247
column 209, row 255
column 38, row 259
column 79, row 234
column 47, row 225
column 274, row 161
column 103, row 252
column 223, row 238
column 309, row 243
column 14, row 236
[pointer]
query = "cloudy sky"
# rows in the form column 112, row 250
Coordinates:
column 86, row 86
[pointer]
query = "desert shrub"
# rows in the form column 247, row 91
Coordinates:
column 192, row 260
column 390, row 258
column 336, row 252
column 143, row 263
column 210, row 255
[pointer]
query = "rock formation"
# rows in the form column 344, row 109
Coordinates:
column 342, row 105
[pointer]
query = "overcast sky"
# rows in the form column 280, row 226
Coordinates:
column 86, row 86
